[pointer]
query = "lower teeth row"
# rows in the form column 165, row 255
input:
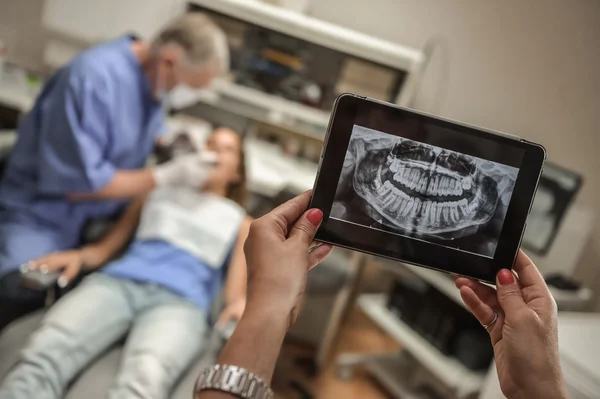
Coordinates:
column 396, row 201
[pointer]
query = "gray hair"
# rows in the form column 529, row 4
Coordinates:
column 200, row 38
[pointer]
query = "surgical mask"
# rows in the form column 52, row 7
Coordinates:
column 163, row 95
column 183, row 96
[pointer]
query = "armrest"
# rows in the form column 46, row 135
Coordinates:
column 37, row 280
column 8, row 138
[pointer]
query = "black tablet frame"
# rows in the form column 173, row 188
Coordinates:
column 405, row 249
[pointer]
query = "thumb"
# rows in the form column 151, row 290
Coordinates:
column 305, row 228
column 225, row 316
column 510, row 297
column 69, row 273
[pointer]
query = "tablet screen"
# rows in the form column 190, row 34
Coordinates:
column 427, row 192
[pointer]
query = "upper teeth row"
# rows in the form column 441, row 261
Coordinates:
column 415, row 179
column 431, row 212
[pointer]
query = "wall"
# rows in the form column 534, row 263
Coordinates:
column 21, row 31
column 531, row 68
column 72, row 25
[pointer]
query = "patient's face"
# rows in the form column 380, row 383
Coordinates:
column 227, row 145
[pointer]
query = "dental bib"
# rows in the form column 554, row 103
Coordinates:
column 204, row 225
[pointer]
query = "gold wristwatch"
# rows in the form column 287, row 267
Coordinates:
column 234, row 380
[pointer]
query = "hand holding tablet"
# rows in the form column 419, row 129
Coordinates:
column 409, row 186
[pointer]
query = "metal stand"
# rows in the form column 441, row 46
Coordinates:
column 357, row 264
column 418, row 369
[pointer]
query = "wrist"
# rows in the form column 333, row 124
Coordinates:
column 260, row 308
column 267, row 293
column 235, row 300
column 554, row 392
column 268, row 306
column 257, row 340
column 92, row 256
column 549, row 389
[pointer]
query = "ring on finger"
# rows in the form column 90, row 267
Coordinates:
column 491, row 324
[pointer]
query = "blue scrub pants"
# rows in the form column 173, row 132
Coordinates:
column 21, row 242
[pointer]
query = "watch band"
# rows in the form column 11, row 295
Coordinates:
column 234, row 380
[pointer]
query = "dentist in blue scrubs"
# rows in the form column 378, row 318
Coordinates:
column 81, row 150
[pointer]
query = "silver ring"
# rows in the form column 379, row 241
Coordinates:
column 490, row 325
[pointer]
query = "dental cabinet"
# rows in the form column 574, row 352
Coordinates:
column 277, row 85
column 301, row 64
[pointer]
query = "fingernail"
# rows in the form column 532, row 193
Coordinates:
column 62, row 282
column 505, row 277
column 317, row 245
column 315, row 216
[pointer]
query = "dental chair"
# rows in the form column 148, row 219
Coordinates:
column 316, row 324
column 95, row 381
column 329, row 293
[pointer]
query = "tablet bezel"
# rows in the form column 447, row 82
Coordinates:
column 406, row 249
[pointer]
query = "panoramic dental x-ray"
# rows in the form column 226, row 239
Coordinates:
column 423, row 191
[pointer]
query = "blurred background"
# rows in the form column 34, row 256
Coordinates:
column 529, row 68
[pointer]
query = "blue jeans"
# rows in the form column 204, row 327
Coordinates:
column 166, row 333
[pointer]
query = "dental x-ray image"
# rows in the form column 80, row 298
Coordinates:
column 423, row 191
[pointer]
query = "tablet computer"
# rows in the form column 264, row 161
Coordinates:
column 424, row 190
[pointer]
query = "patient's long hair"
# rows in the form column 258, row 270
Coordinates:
column 238, row 191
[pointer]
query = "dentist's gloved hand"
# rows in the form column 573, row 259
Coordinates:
column 188, row 170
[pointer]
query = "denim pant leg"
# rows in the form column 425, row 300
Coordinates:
column 165, row 339
column 75, row 331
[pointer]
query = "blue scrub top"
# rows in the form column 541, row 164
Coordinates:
column 93, row 117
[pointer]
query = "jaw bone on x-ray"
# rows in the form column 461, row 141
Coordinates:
column 417, row 189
